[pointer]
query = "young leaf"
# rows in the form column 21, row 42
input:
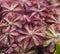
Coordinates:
column 57, row 48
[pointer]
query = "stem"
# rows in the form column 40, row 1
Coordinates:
column 9, row 40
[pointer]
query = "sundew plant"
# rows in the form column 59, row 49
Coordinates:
column 29, row 27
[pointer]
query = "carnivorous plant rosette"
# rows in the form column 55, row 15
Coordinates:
column 28, row 27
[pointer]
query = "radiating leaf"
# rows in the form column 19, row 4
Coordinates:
column 49, row 34
column 46, row 43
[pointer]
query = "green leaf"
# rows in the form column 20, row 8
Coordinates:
column 57, row 48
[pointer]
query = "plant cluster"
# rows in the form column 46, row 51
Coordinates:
column 28, row 27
